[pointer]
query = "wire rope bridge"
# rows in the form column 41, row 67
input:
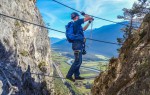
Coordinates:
column 24, row 21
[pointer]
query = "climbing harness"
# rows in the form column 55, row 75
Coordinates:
column 76, row 52
column 84, row 45
column 91, row 31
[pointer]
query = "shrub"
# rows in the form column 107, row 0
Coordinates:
column 24, row 53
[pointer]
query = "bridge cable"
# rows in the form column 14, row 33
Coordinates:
column 92, row 15
column 56, row 30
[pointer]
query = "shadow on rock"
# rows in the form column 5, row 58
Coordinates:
column 22, row 80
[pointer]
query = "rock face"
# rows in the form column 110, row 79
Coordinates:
column 129, row 74
column 24, row 50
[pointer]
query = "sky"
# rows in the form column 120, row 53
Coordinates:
column 57, row 16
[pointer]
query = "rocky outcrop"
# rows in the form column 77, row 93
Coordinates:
column 129, row 74
column 24, row 50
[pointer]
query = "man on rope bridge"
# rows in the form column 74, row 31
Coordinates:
column 75, row 35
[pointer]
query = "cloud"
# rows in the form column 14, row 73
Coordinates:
column 48, row 16
column 98, row 7
column 58, row 15
column 94, row 8
column 77, row 2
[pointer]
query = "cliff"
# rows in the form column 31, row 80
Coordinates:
column 24, row 51
column 129, row 74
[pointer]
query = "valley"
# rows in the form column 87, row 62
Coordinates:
column 79, row 87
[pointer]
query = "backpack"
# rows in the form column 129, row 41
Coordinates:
column 70, row 35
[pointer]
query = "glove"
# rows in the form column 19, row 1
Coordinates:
column 82, row 13
column 91, row 20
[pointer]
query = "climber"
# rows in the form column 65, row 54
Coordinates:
column 75, row 35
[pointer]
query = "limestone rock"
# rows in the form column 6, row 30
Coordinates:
column 129, row 74
column 22, row 46
column 1, row 89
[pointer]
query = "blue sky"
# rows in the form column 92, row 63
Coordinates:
column 57, row 16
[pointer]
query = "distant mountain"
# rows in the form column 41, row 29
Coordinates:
column 62, row 45
column 106, row 33
column 54, row 40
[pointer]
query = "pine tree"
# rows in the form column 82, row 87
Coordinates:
column 137, row 12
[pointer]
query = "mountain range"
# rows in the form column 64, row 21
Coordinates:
column 105, row 33
column 54, row 40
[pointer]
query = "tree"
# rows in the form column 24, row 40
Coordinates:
column 138, row 10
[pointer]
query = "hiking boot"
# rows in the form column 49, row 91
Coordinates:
column 79, row 78
column 71, row 79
